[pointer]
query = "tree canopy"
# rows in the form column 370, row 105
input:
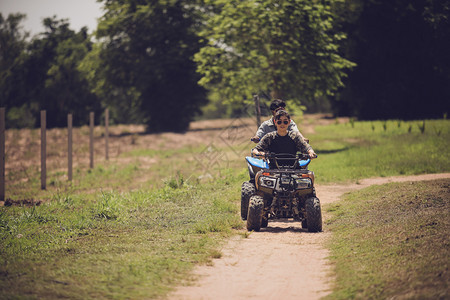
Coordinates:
column 157, row 62
column 42, row 74
column 12, row 86
column 402, row 51
column 288, row 49
column 148, row 47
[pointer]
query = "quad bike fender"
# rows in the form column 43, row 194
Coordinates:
column 255, row 165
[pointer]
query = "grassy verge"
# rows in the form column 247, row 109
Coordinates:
column 114, row 245
column 392, row 242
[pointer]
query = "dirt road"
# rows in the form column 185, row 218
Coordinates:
column 282, row 261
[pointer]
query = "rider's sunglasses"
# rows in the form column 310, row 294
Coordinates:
column 285, row 122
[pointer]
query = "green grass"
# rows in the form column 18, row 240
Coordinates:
column 104, row 176
column 112, row 176
column 392, row 242
column 135, row 230
column 117, row 245
column 349, row 154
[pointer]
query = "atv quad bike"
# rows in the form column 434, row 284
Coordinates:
column 280, row 186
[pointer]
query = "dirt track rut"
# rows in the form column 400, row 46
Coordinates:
column 282, row 261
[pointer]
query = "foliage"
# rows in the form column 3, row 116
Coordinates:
column 12, row 40
column 66, row 89
column 42, row 74
column 147, row 47
column 288, row 49
column 154, row 60
column 124, row 104
column 12, row 85
column 401, row 48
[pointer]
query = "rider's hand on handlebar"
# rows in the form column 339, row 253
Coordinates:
column 255, row 139
column 256, row 152
column 312, row 154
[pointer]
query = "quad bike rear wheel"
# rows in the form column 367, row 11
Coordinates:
column 255, row 213
column 247, row 190
column 313, row 214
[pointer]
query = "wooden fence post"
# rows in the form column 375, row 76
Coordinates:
column 69, row 146
column 2, row 154
column 43, row 150
column 258, row 110
column 106, row 133
column 91, row 140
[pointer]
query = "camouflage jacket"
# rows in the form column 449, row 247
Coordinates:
column 299, row 141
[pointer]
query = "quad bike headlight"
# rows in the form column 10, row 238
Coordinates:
column 303, row 183
column 268, row 182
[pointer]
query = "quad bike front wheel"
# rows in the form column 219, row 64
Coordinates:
column 255, row 213
column 267, row 202
column 304, row 224
column 265, row 221
column 247, row 190
column 313, row 214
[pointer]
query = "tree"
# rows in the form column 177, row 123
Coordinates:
column 53, row 78
column 124, row 103
column 402, row 51
column 43, row 74
column 66, row 89
column 12, row 84
column 287, row 49
column 12, row 44
column 147, row 48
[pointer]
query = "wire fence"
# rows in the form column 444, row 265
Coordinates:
column 43, row 146
column 235, row 136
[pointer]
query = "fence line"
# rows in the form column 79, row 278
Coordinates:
column 91, row 140
column 106, row 133
column 2, row 154
column 44, row 147
column 69, row 147
column 257, row 110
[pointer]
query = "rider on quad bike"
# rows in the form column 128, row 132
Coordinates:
column 270, row 126
column 281, row 186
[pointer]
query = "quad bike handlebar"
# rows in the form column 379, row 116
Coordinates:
column 285, row 160
column 284, row 156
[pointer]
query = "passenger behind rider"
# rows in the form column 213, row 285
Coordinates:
column 282, row 140
column 269, row 125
